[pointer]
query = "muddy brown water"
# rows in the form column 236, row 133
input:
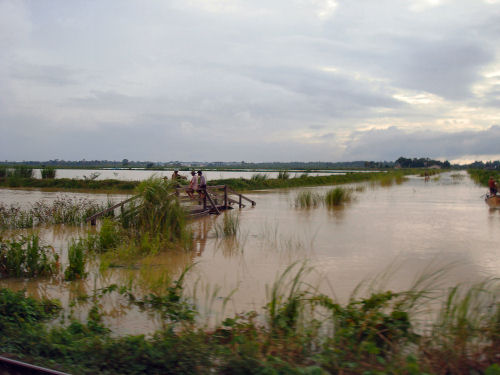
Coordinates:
column 400, row 231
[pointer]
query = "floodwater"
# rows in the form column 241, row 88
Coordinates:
column 141, row 174
column 400, row 231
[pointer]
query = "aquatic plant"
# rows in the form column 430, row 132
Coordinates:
column 259, row 177
column 337, row 196
column 283, row 175
column 156, row 211
column 48, row 172
column 109, row 235
column 63, row 210
column 76, row 260
column 22, row 172
column 308, row 199
column 230, row 225
column 25, row 256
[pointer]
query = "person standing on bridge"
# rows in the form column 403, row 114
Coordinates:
column 203, row 185
column 193, row 185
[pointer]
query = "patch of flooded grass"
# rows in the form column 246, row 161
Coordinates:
column 76, row 259
column 26, row 256
column 308, row 199
column 230, row 225
column 61, row 211
column 337, row 196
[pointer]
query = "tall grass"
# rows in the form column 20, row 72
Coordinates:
column 259, row 177
column 25, row 256
column 48, row 172
column 157, row 211
column 76, row 260
column 63, row 210
column 230, row 225
column 308, row 199
column 283, row 175
column 337, row 196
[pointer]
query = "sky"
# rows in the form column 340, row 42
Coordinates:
column 259, row 80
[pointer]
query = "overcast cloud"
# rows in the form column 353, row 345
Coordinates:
column 294, row 80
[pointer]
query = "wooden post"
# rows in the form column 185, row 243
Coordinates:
column 205, row 200
column 240, row 201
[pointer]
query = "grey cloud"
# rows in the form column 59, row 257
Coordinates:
column 44, row 74
column 389, row 144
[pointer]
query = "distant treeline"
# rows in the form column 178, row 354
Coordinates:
column 422, row 163
column 402, row 162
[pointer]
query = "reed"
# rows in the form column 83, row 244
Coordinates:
column 259, row 177
column 308, row 199
column 62, row 210
column 229, row 227
column 157, row 211
column 337, row 196
column 76, row 260
column 283, row 175
column 48, row 172
column 25, row 256
column 23, row 172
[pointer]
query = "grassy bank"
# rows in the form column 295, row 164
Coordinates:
column 257, row 182
column 260, row 181
column 300, row 332
column 481, row 176
column 68, row 184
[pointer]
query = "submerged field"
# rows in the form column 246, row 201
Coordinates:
column 270, row 289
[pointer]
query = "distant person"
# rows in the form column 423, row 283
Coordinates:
column 193, row 185
column 202, row 184
column 175, row 175
column 493, row 186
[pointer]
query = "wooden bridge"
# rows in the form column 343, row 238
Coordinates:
column 213, row 200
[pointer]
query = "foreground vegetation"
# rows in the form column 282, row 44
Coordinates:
column 300, row 331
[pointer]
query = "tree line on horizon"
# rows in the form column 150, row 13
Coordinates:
column 401, row 162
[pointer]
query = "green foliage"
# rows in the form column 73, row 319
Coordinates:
column 24, row 256
column 23, row 172
column 337, row 196
column 63, row 210
column 77, row 260
column 230, row 225
column 283, row 175
column 481, row 176
column 48, row 172
column 17, row 309
column 109, row 235
column 259, row 177
column 156, row 211
column 308, row 199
